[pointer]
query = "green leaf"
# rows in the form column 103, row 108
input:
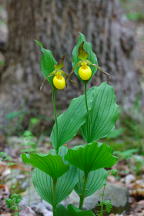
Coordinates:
column 103, row 114
column 63, row 151
column 103, row 111
column 115, row 133
column 43, row 184
column 53, row 165
column 96, row 180
column 64, row 186
column 72, row 211
column 108, row 205
column 82, row 54
column 87, row 47
column 16, row 114
column 61, row 211
column 47, row 63
column 91, row 157
column 70, row 121
column 38, row 43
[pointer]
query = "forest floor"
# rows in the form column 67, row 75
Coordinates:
column 127, row 142
column 15, row 176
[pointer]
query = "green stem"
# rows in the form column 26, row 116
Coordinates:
column 55, row 112
column 102, row 207
column 86, row 97
column 54, row 190
column 54, row 210
column 82, row 196
column 88, row 116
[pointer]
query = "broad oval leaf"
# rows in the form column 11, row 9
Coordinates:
column 88, row 48
column 47, row 63
column 91, row 157
column 70, row 121
column 43, row 184
column 96, row 180
column 64, row 186
column 103, row 114
column 53, row 165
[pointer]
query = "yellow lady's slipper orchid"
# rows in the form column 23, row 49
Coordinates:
column 59, row 81
column 85, row 72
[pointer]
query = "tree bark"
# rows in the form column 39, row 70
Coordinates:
column 56, row 24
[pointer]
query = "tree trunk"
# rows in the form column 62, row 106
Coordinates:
column 56, row 23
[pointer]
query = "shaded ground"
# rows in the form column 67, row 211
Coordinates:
column 15, row 176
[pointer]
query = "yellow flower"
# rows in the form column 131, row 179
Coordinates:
column 59, row 81
column 85, row 71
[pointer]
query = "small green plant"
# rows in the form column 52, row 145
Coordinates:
column 105, row 207
column 135, row 16
column 124, row 155
column 17, row 121
column 14, row 122
column 29, row 142
column 4, row 157
column 33, row 122
column 13, row 203
column 137, row 164
column 93, row 114
column 2, row 63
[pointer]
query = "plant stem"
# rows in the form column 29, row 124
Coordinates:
column 102, row 207
column 82, row 196
column 86, row 103
column 86, row 97
column 55, row 112
column 54, row 189
column 54, row 211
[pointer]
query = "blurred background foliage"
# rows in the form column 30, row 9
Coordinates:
column 134, row 9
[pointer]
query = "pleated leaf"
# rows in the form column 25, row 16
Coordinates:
column 43, row 184
column 96, row 180
column 64, row 186
column 71, row 120
column 72, row 211
column 47, row 62
column 88, row 48
column 91, row 156
column 103, row 114
column 53, row 165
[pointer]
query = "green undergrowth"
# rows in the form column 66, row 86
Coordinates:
column 130, row 134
